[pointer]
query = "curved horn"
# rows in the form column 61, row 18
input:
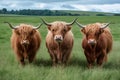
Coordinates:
column 106, row 25
column 80, row 25
column 10, row 25
column 68, row 24
column 38, row 26
column 46, row 23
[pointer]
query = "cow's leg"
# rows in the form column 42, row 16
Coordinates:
column 58, row 57
column 20, row 58
column 22, row 61
column 31, row 57
column 53, row 57
column 105, row 55
column 102, row 57
column 89, row 60
column 66, row 56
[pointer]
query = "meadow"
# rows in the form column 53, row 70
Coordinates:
column 41, row 69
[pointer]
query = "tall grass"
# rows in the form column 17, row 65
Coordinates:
column 41, row 69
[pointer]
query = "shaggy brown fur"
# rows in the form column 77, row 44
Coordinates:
column 25, row 42
column 59, row 50
column 102, row 43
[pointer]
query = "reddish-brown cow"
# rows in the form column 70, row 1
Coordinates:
column 97, row 42
column 59, row 41
column 25, row 41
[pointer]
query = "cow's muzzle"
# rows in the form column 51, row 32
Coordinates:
column 58, row 38
column 92, row 41
column 25, row 42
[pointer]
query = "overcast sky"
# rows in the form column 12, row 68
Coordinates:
column 81, row 5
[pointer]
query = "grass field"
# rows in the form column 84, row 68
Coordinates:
column 41, row 69
column 87, row 12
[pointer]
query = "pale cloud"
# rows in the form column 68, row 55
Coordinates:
column 102, row 8
column 39, row 5
column 13, row 5
column 81, row 5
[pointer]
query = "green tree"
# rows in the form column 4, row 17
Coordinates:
column 4, row 10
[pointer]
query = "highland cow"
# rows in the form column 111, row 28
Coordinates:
column 97, row 42
column 59, row 41
column 25, row 42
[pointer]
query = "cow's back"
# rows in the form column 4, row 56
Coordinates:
column 14, row 41
column 68, row 40
column 108, row 37
column 50, row 43
column 37, row 39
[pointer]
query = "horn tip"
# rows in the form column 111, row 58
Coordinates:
column 42, row 19
column 76, row 18
column 5, row 22
column 41, row 24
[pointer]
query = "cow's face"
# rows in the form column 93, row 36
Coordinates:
column 92, row 33
column 59, row 29
column 25, row 33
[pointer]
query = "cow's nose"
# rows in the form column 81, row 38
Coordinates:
column 25, row 42
column 58, row 38
column 92, row 41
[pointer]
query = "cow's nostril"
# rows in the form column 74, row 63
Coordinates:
column 25, row 42
column 92, row 41
column 58, row 38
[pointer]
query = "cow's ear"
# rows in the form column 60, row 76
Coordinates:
column 33, row 31
column 69, row 28
column 83, row 30
column 49, row 27
column 17, row 31
column 101, row 31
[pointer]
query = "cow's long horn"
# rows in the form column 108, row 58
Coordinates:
column 38, row 26
column 80, row 25
column 46, row 23
column 106, row 25
column 10, row 25
column 69, row 24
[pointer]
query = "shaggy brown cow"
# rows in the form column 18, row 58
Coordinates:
column 25, row 41
column 59, row 41
column 97, row 42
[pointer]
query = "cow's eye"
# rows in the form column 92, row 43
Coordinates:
column 87, row 34
column 97, row 33
column 31, row 33
column 64, row 30
column 53, row 30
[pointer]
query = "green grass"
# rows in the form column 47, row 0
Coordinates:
column 42, row 69
column 90, row 13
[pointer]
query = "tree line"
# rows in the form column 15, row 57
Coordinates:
column 37, row 12
column 48, row 13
